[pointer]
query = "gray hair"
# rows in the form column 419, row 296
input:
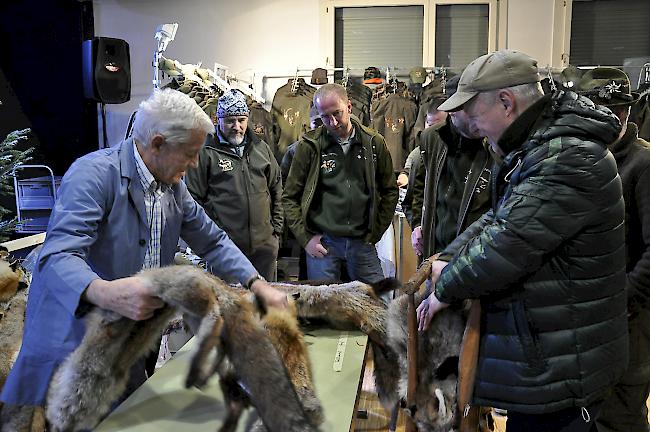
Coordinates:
column 330, row 88
column 525, row 94
column 171, row 114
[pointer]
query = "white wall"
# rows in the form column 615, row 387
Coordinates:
column 530, row 28
column 261, row 36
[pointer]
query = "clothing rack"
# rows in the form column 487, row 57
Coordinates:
column 644, row 74
column 302, row 72
column 246, row 87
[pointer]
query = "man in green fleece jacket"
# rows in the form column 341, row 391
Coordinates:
column 341, row 192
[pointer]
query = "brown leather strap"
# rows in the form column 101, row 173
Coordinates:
column 467, row 369
column 420, row 276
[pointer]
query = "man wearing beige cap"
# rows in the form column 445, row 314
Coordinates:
column 625, row 409
column 548, row 260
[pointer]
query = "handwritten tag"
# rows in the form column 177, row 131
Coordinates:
column 340, row 352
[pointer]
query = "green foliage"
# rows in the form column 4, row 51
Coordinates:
column 10, row 158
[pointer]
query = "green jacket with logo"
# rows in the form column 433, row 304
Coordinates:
column 241, row 194
column 434, row 145
column 303, row 180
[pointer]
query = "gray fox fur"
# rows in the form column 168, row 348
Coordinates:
column 358, row 305
column 282, row 329
column 95, row 374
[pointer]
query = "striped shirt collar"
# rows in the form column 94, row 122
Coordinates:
column 148, row 181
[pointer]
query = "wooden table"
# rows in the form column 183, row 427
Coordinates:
column 162, row 403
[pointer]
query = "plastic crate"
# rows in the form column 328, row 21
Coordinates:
column 36, row 193
column 33, row 221
column 35, row 198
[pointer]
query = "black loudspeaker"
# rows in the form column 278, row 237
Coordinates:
column 107, row 70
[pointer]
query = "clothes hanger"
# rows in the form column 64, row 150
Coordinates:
column 443, row 79
column 346, row 77
column 551, row 81
column 294, row 84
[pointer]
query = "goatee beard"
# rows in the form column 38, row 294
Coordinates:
column 236, row 140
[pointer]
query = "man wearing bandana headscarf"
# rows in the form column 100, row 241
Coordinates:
column 238, row 183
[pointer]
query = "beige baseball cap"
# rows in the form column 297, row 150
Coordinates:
column 497, row 70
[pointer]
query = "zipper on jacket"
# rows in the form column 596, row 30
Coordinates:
column 307, row 203
column 585, row 414
column 506, row 178
column 463, row 214
column 247, row 182
column 530, row 348
column 432, row 232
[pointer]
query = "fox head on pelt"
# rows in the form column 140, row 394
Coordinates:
column 436, row 407
column 351, row 305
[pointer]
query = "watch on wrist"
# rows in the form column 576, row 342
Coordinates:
column 252, row 280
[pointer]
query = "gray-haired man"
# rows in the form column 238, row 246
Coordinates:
column 548, row 260
column 120, row 210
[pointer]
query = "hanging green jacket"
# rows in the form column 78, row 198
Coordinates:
column 303, row 180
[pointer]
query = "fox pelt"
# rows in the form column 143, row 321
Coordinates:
column 282, row 329
column 9, row 280
column 359, row 305
column 95, row 374
column 13, row 301
column 439, row 346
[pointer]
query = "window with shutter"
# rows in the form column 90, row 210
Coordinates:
column 611, row 33
column 461, row 34
column 379, row 36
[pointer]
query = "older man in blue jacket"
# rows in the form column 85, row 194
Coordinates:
column 120, row 210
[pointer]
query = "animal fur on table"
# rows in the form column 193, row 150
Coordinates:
column 282, row 329
column 358, row 305
column 95, row 374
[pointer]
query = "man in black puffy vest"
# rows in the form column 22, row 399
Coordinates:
column 548, row 260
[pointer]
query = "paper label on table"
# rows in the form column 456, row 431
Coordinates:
column 340, row 352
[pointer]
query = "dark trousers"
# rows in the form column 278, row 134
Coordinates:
column 625, row 410
column 566, row 420
column 265, row 258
